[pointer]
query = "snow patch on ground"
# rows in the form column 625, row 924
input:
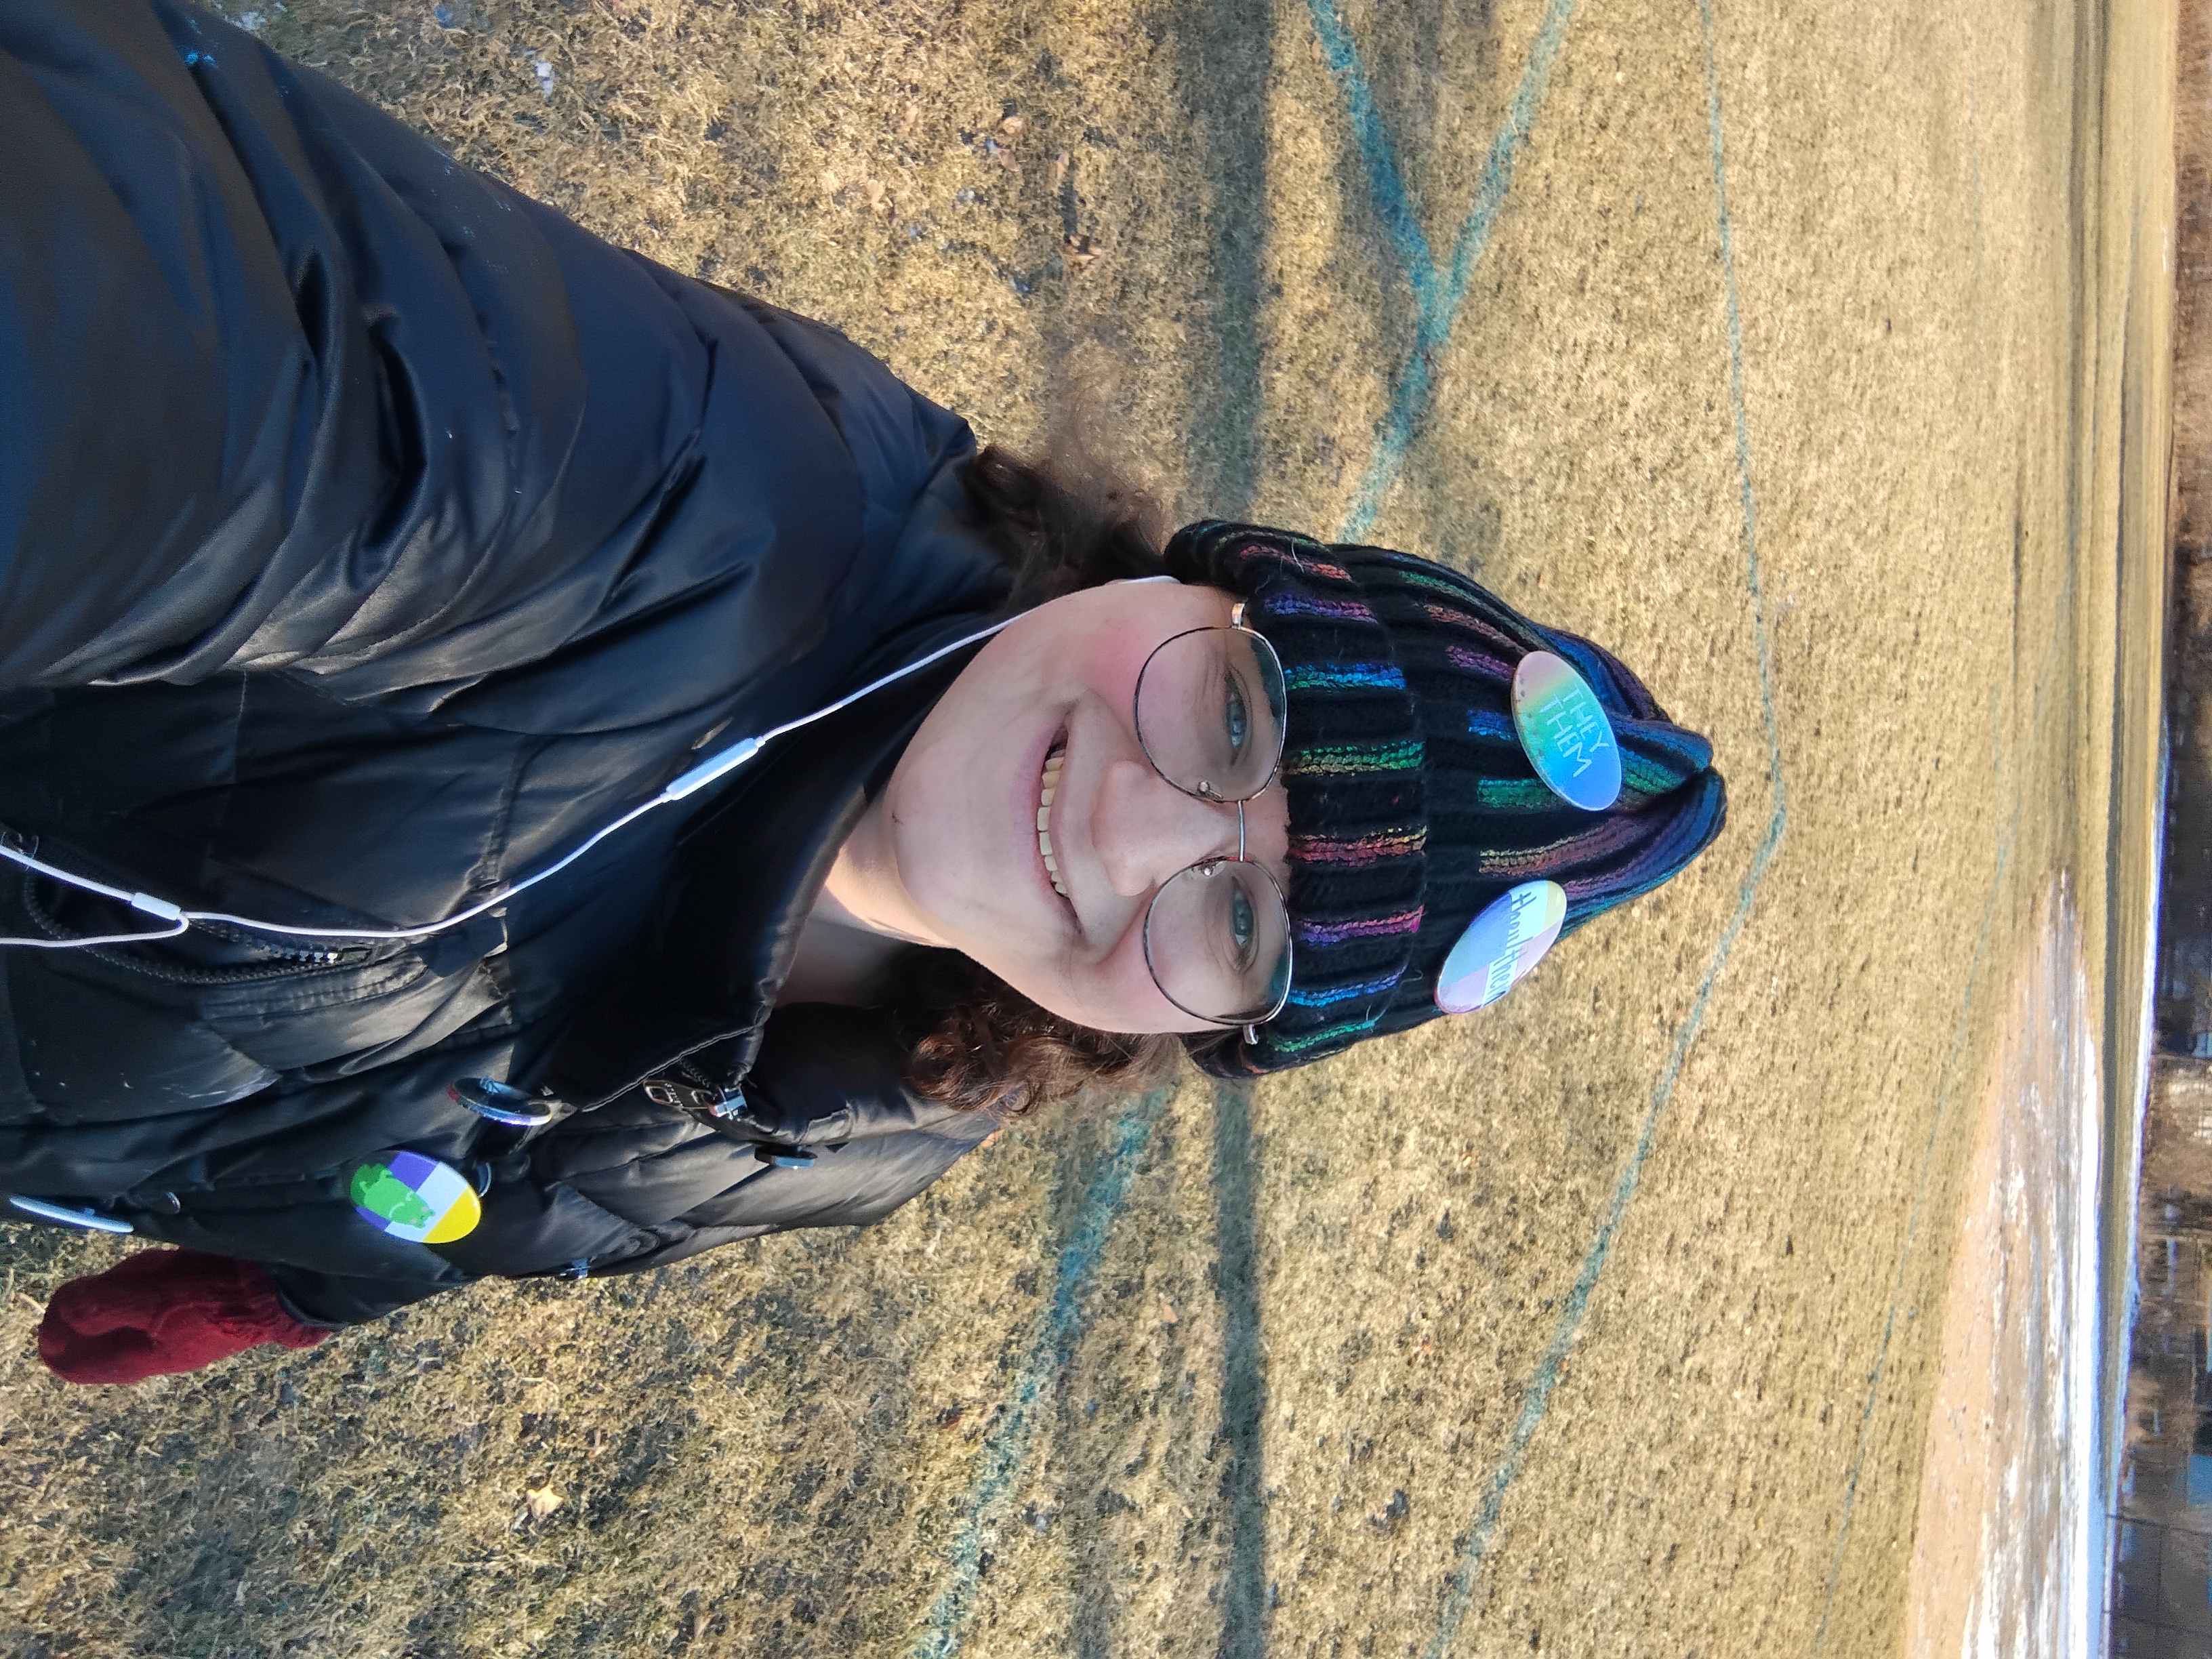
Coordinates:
column 2003, row 1561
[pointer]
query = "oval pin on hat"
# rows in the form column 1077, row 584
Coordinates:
column 1501, row 945
column 416, row 1198
column 1565, row 731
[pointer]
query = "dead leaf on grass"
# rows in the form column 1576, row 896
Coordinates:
column 1079, row 250
column 1168, row 1314
column 1060, row 169
column 1012, row 126
column 539, row 1501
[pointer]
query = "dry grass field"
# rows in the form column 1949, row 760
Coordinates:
column 1784, row 348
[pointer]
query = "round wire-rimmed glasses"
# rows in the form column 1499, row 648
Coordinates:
column 1209, row 712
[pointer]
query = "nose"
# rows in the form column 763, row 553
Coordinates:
column 1145, row 829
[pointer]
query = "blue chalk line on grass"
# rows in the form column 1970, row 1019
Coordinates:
column 1385, row 186
column 1536, row 1399
column 1439, row 294
column 1438, row 291
column 1051, row 1347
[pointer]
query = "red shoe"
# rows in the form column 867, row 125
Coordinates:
column 162, row 1311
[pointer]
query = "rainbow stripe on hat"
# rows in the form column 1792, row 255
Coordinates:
column 1414, row 804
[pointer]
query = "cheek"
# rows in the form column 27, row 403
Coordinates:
column 935, row 834
column 1114, row 993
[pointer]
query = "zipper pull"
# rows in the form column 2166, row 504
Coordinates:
column 691, row 1097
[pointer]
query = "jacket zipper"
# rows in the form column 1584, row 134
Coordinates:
column 289, row 960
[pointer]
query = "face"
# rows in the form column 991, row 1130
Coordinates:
column 950, row 853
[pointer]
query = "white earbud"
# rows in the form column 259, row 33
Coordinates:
column 713, row 769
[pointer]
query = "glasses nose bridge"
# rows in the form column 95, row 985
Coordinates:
column 1149, row 833
column 1204, row 792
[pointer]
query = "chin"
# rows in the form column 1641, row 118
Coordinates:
column 959, row 885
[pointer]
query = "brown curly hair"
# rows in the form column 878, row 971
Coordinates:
column 982, row 1046
column 977, row 1044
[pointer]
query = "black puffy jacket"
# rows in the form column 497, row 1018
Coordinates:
column 369, row 535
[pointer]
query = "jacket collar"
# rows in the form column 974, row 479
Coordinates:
column 703, row 982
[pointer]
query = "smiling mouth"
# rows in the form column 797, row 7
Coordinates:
column 1049, row 786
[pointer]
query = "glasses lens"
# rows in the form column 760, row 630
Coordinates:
column 1210, row 706
column 1218, row 940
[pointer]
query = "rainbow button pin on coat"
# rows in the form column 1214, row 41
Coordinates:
column 1501, row 945
column 1565, row 732
column 416, row 1198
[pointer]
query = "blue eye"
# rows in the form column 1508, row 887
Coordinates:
column 1236, row 717
column 1243, row 924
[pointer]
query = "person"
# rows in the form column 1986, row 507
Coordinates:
column 375, row 538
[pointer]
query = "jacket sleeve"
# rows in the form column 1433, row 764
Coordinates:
column 283, row 387
column 186, row 217
column 331, row 1301
column 831, row 1082
column 632, row 1185
column 581, row 1229
column 832, row 1137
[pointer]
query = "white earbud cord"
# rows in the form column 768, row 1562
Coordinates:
column 715, row 767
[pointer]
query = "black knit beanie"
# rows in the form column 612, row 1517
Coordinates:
column 1412, row 804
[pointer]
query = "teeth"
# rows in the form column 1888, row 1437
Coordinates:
column 1049, row 788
